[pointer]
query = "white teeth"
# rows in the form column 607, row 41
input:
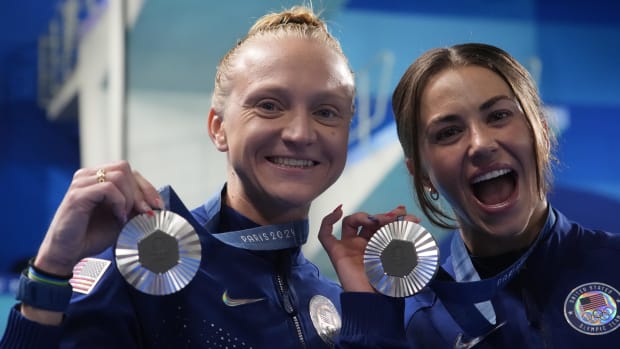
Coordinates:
column 292, row 162
column 490, row 175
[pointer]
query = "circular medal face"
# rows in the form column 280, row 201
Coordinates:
column 158, row 253
column 325, row 318
column 401, row 258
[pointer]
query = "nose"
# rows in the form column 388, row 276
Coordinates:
column 300, row 129
column 483, row 145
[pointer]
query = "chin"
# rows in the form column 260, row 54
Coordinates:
column 295, row 197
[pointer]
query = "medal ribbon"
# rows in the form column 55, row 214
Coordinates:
column 468, row 299
column 262, row 238
column 267, row 237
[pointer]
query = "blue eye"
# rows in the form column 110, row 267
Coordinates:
column 326, row 113
column 330, row 117
column 269, row 106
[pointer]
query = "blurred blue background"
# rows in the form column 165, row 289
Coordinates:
column 571, row 47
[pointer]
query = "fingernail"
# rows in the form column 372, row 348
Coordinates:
column 144, row 207
column 337, row 208
column 400, row 206
column 150, row 213
column 160, row 204
column 373, row 218
column 123, row 218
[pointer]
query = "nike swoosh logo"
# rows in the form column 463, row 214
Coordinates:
column 463, row 344
column 235, row 302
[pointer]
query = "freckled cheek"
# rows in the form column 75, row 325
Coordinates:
column 337, row 138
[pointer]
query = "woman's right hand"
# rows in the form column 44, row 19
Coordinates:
column 92, row 214
column 347, row 253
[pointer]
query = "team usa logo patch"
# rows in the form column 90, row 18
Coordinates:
column 592, row 308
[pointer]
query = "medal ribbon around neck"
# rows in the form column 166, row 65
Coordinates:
column 468, row 298
column 268, row 237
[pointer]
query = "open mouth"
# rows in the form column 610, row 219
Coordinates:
column 495, row 187
column 290, row 162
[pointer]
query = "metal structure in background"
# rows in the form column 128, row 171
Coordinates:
column 58, row 48
column 82, row 70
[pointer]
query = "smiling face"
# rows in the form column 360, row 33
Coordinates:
column 284, row 126
column 477, row 151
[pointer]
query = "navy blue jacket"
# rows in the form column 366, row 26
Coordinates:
column 115, row 315
column 565, row 296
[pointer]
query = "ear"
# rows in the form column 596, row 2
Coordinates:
column 409, row 164
column 426, row 180
column 217, row 131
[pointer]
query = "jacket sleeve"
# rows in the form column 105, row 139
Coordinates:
column 371, row 321
column 103, row 318
column 25, row 334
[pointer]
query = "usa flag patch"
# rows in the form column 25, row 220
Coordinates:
column 87, row 273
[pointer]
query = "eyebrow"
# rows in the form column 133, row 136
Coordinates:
column 284, row 92
column 484, row 106
column 444, row 118
column 488, row 104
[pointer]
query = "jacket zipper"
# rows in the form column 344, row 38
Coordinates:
column 289, row 307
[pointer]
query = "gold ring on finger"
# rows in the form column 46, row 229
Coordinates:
column 100, row 175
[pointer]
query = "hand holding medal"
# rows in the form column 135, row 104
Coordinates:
column 158, row 252
column 399, row 256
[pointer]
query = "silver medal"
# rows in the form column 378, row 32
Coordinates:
column 158, row 253
column 401, row 258
column 325, row 318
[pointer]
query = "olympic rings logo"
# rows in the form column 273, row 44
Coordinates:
column 598, row 316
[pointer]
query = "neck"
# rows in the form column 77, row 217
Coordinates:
column 265, row 212
column 482, row 243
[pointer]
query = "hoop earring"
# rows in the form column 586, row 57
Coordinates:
column 434, row 195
